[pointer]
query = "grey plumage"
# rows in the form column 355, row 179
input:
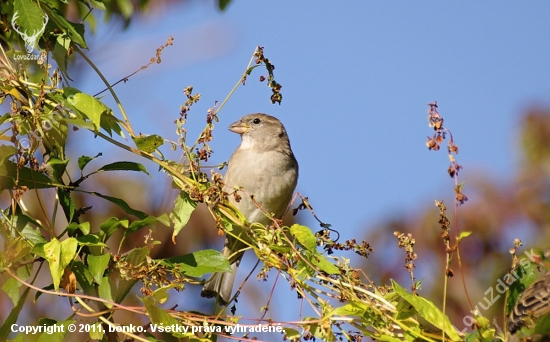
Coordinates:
column 266, row 168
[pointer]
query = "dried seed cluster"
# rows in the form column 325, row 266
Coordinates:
column 440, row 134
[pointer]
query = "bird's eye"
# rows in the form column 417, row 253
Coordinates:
column 256, row 121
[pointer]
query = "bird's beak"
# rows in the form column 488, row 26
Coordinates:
column 239, row 127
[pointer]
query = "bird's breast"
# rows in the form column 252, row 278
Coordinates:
column 270, row 177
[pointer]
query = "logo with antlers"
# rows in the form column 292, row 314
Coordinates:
column 30, row 40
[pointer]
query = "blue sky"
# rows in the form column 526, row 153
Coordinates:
column 357, row 77
column 356, row 80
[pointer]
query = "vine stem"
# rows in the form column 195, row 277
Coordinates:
column 106, row 321
column 127, row 125
column 243, row 77
column 79, row 299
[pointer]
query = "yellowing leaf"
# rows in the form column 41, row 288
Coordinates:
column 305, row 236
column 428, row 311
column 59, row 255
column 180, row 215
column 89, row 106
column 149, row 144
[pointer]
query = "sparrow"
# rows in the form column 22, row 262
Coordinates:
column 265, row 167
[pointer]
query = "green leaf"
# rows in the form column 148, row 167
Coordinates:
column 84, row 227
column 323, row 263
column 58, row 168
column 159, row 316
column 98, row 4
column 126, row 8
column 110, row 226
column 428, row 311
column 64, row 42
column 305, row 236
column 463, row 235
column 32, row 235
column 6, row 151
column 84, row 160
column 26, row 227
column 38, row 250
column 121, row 288
column 66, row 202
column 60, row 53
column 123, row 205
column 59, row 334
column 543, row 326
column 222, row 4
column 161, row 294
column 96, row 331
column 52, row 251
column 97, row 265
column 74, row 31
column 404, row 309
column 104, row 291
column 55, row 133
column 91, row 240
column 183, row 208
column 149, row 144
column 137, row 225
column 16, row 250
column 124, row 166
column 72, row 229
column 89, row 106
column 83, row 277
column 291, row 333
column 137, row 256
column 81, row 123
column 39, row 293
column 3, row 119
column 164, row 219
column 12, row 318
column 59, row 255
column 11, row 288
column 29, row 19
column 199, row 263
column 110, row 123
column 350, row 309
column 10, row 175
